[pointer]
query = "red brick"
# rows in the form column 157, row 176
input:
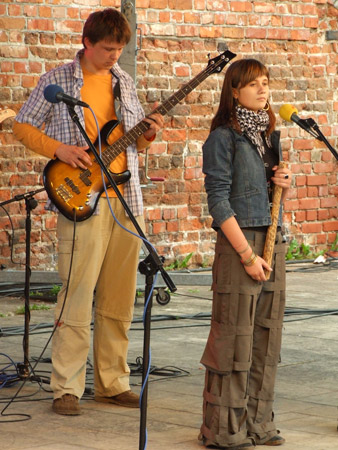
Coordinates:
column 154, row 214
column 330, row 226
column 255, row 33
column 299, row 35
column 159, row 227
column 321, row 238
column 300, row 180
column 324, row 167
column 300, row 216
column 308, row 228
column 172, row 226
column 182, row 212
column 312, row 191
column 264, row 7
column 308, row 203
column 328, row 202
column 240, row 6
column 303, row 144
column 302, row 192
column 316, row 180
column 323, row 214
column 291, row 205
column 311, row 215
column 279, row 34
column 169, row 213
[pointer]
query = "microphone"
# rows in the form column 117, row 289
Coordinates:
column 55, row 94
column 289, row 113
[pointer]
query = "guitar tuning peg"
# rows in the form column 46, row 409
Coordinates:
column 208, row 55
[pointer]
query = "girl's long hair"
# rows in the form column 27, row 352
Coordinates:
column 239, row 74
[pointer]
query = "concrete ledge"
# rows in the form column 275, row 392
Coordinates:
column 200, row 278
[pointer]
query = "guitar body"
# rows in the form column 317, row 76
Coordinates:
column 76, row 192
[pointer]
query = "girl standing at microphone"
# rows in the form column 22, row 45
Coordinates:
column 240, row 162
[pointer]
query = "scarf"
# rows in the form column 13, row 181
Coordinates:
column 253, row 124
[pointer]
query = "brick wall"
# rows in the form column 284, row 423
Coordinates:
column 298, row 40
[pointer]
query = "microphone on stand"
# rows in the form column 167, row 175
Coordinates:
column 289, row 113
column 55, row 94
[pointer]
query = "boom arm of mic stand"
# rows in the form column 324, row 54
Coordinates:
column 321, row 137
column 157, row 262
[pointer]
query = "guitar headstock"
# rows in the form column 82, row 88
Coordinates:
column 6, row 114
column 217, row 64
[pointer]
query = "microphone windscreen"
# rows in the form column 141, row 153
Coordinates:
column 286, row 112
column 51, row 91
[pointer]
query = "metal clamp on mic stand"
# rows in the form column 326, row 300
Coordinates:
column 319, row 135
column 149, row 267
column 31, row 203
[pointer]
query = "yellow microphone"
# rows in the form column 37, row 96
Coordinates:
column 286, row 112
column 289, row 113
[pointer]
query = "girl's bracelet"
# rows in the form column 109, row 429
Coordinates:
column 250, row 261
column 243, row 251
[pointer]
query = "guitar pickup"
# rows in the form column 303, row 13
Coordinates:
column 73, row 186
column 85, row 177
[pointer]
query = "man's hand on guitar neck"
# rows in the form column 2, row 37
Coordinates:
column 156, row 122
column 74, row 156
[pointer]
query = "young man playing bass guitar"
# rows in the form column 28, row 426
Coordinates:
column 105, row 257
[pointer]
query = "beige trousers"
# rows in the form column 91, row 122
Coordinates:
column 243, row 347
column 105, row 260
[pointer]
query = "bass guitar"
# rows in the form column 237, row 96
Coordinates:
column 76, row 192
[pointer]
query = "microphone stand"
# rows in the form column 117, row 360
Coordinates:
column 319, row 135
column 30, row 203
column 149, row 267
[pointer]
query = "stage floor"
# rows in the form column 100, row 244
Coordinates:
column 306, row 388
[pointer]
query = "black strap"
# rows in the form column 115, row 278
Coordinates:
column 117, row 99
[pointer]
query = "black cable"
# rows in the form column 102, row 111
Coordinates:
column 12, row 239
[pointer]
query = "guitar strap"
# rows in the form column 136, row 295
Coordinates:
column 117, row 99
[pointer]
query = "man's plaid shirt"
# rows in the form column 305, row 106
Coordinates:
column 58, row 125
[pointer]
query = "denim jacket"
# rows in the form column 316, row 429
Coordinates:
column 235, row 179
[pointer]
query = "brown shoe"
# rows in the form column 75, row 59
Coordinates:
column 275, row 440
column 67, row 405
column 127, row 399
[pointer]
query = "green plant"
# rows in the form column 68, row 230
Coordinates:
column 34, row 307
column 298, row 251
column 193, row 291
column 205, row 264
column 180, row 264
column 55, row 289
column 52, row 292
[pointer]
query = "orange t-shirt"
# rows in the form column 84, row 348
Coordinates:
column 98, row 93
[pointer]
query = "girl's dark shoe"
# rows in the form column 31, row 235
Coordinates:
column 275, row 440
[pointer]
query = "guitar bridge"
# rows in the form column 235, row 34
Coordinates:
column 64, row 193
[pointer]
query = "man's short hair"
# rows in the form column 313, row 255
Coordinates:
column 108, row 24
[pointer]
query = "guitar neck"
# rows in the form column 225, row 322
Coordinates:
column 134, row 133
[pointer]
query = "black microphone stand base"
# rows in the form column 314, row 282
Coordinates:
column 149, row 269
